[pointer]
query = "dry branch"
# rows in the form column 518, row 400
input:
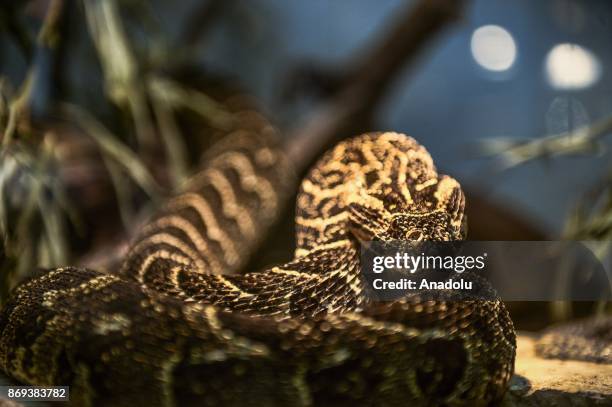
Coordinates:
column 350, row 108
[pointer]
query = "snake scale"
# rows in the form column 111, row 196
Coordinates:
column 178, row 326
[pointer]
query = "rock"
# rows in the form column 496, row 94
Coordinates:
column 552, row 382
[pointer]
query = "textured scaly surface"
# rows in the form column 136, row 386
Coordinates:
column 174, row 327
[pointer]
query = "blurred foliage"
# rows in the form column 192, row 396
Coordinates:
column 591, row 219
column 35, row 211
column 512, row 152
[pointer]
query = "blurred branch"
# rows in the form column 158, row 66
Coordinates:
column 585, row 140
column 34, row 94
column 33, row 210
column 591, row 220
column 150, row 99
column 118, row 62
column 49, row 32
column 176, row 95
column 47, row 68
column 15, row 107
column 33, row 206
column 120, row 68
column 166, row 97
column 359, row 93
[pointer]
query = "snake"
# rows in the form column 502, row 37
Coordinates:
column 180, row 323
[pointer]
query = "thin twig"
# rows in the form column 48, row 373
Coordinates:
column 46, row 78
column 49, row 32
column 120, row 67
column 511, row 153
column 35, row 88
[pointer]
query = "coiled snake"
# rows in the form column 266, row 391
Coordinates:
column 174, row 328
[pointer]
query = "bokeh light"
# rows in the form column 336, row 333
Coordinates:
column 493, row 48
column 571, row 66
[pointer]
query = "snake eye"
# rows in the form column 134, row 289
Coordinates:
column 414, row 235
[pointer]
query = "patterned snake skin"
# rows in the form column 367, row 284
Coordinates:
column 174, row 328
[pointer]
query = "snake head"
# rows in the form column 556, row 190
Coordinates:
column 435, row 226
column 435, row 213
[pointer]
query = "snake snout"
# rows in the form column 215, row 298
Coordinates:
column 422, row 227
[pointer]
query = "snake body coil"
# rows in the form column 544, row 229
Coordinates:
column 174, row 328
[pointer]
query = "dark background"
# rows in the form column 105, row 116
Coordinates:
column 446, row 99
